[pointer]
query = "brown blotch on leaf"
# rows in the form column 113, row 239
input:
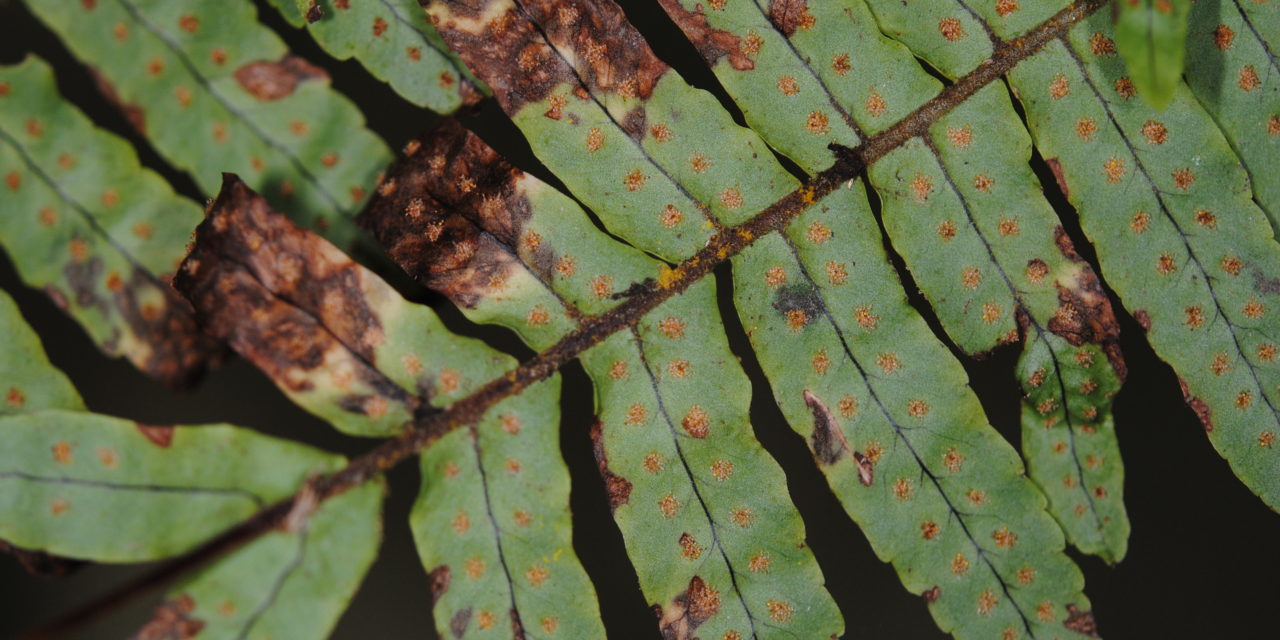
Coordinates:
column 1056, row 167
column 828, row 441
column 314, row 12
column 459, row 622
column 161, row 436
column 931, row 595
column 1084, row 313
column 710, row 42
column 135, row 114
column 617, row 487
column 1081, row 622
column 1143, row 319
column 267, row 80
column 457, row 231
column 790, row 15
column 172, row 621
column 689, row 609
column 1200, row 407
column 438, row 580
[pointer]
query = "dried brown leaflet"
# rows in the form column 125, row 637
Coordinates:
column 645, row 297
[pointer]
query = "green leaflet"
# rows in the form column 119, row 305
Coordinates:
column 101, row 235
column 27, row 379
column 344, row 345
column 1165, row 202
column 673, row 439
column 1151, row 36
column 1235, row 74
column 287, row 583
column 161, row 490
column 215, row 91
column 662, row 165
column 393, row 40
column 964, row 210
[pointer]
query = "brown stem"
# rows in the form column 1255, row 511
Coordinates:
column 849, row 165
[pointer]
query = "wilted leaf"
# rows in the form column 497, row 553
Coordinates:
column 101, row 235
column 215, row 91
column 345, row 346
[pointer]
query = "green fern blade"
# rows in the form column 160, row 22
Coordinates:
column 28, row 380
column 102, row 236
column 215, row 91
column 371, row 363
column 961, row 206
column 1234, row 71
column 162, row 490
column 394, row 42
column 290, row 583
column 673, row 148
column 1151, row 37
column 673, row 438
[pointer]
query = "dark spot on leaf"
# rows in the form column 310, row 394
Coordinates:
column 797, row 297
column 517, row 627
column 828, row 440
column 1200, row 407
column 617, row 487
column 1084, row 313
column 1143, row 319
column 931, row 595
column 790, row 15
column 1081, row 621
column 314, row 12
column 633, row 123
column 458, row 623
column 689, row 609
column 132, row 112
column 712, row 43
column 267, row 80
column 1265, row 285
column 172, row 621
column 438, row 579
column 1056, row 167
column 161, row 436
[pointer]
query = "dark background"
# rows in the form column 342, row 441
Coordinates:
column 1204, row 556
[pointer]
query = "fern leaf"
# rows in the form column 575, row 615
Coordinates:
column 100, row 234
column 370, row 362
column 670, row 146
column 394, row 42
column 673, row 439
column 215, row 91
column 1151, row 37
column 161, row 489
column 964, row 210
column 1168, row 207
column 28, row 380
column 291, row 583
column 1234, row 71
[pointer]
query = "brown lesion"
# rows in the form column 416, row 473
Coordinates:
column 617, row 488
column 790, row 16
column 454, row 216
column 135, row 114
column 1080, row 621
column 1199, row 406
column 1084, row 313
column 272, row 80
column 688, row 610
column 285, row 299
column 512, row 50
column 172, row 621
column 713, row 44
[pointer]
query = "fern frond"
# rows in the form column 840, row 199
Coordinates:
column 28, row 380
column 345, row 346
column 213, row 90
column 393, row 41
column 82, row 220
column 963, row 208
column 673, row 441
column 1234, row 70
